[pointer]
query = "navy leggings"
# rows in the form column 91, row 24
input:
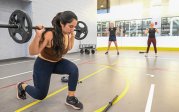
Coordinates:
column 42, row 74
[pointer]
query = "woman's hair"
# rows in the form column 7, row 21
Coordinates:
column 58, row 37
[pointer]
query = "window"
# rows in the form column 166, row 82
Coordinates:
column 170, row 26
column 132, row 28
column 102, row 28
column 103, row 6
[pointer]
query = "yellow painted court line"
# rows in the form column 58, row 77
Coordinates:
column 38, row 101
column 120, row 96
column 58, row 91
column 94, row 73
column 139, row 48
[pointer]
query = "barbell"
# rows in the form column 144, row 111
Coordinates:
column 20, row 27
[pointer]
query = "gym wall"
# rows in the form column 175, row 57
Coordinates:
column 8, row 47
column 42, row 12
column 86, row 10
column 138, row 9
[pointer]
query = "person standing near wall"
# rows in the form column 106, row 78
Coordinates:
column 112, row 37
column 151, row 38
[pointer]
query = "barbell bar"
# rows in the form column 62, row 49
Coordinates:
column 33, row 27
column 20, row 23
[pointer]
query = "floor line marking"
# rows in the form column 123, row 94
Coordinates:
column 10, row 76
column 15, row 63
column 150, row 98
column 15, row 75
column 120, row 96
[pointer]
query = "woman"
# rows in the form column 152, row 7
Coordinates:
column 112, row 38
column 50, row 45
column 151, row 38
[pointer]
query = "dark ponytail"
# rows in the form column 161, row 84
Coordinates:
column 58, row 40
column 58, row 37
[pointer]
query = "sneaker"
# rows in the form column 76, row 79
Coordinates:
column 117, row 53
column 156, row 55
column 21, row 94
column 74, row 102
column 106, row 52
column 146, row 55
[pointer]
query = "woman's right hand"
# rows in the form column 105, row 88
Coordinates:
column 40, row 29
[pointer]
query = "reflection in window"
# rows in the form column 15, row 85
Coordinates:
column 145, row 25
column 121, row 28
column 170, row 26
column 136, row 28
column 102, row 28
column 99, row 32
column 132, row 28
column 105, row 26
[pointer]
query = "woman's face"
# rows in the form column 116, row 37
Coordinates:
column 111, row 25
column 69, row 27
column 152, row 25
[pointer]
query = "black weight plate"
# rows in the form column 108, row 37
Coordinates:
column 23, row 33
column 81, row 30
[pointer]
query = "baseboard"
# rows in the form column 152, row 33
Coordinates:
column 138, row 48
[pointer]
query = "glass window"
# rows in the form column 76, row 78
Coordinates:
column 145, row 25
column 105, row 26
column 136, row 28
column 126, row 30
column 165, row 26
column 170, row 26
column 131, row 28
column 175, row 26
column 120, row 26
column 99, row 29
column 123, row 28
column 103, row 6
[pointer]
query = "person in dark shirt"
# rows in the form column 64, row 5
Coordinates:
column 151, row 38
column 112, row 38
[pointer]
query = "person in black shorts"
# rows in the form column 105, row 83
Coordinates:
column 151, row 38
column 112, row 37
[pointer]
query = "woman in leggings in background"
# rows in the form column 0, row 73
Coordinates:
column 50, row 45
column 151, row 38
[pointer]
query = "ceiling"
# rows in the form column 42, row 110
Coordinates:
column 102, row 4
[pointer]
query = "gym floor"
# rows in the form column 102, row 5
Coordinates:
column 143, row 84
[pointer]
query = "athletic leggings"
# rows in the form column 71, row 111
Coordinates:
column 153, row 41
column 42, row 74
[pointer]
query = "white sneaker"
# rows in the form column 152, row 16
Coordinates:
column 146, row 54
column 156, row 55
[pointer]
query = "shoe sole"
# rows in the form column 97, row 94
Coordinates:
column 72, row 106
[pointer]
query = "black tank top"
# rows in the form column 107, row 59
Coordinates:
column 112, row 31
column 152, row 32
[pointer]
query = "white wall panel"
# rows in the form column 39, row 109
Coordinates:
column 42, row 12
column 8, row 47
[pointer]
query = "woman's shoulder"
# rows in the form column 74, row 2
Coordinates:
column 48, row 34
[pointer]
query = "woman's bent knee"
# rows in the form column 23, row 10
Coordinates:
column 40, row 96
